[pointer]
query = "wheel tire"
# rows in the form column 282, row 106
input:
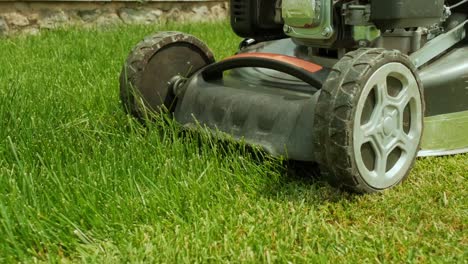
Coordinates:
column 352, row 109
column 150, row 66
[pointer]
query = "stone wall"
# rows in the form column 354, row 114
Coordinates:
column 32, row 16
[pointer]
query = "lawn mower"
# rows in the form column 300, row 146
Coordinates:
column 359, row 87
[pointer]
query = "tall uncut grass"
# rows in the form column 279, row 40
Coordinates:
column 81, row 181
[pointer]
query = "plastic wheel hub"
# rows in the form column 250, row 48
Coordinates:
column 386, row 134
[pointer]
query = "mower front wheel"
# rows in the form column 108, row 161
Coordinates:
column 369, row 120
column 146, row 78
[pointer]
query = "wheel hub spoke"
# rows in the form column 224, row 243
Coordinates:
column 382, row 95
column 381, row 166
column 403, row 142
column 401, row 101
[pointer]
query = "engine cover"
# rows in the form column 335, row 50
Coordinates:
column 302, row 13
column 309, row 21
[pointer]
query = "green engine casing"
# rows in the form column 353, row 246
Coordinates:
column 308, row 19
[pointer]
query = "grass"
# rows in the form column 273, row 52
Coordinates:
column 82, row 182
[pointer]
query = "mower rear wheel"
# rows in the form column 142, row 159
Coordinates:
column 145, row 81
column 369, row 120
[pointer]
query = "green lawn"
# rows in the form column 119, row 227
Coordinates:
column 81, row 181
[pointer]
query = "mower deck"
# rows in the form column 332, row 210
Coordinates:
column 275, row 110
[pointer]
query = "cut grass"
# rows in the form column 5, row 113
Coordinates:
column 81, row 181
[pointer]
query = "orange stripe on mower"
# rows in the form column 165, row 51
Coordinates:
column 306, row 65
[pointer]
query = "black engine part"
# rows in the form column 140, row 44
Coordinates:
column 406, row 13
column 255, row 19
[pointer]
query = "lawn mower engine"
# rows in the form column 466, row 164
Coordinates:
column 347, row 84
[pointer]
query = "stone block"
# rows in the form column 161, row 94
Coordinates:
column 50, row 19
column 108, row 19
column 16, row 19
column 89, row 15
column 218, row 12
column 201, row 13
column 139, row 15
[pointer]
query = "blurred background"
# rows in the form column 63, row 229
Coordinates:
column 31, row 16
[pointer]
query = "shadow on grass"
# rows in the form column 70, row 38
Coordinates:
column 302, row 182
column 296, row 181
